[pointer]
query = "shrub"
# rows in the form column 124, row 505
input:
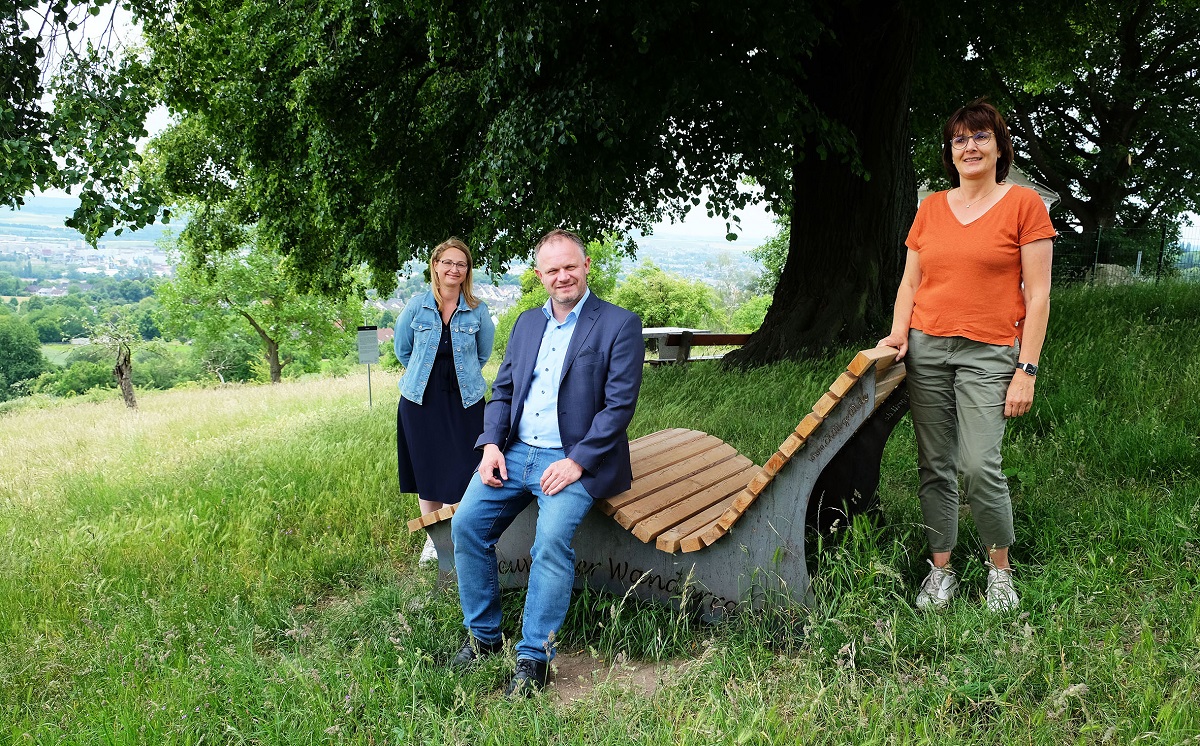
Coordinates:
column 749, row 316
column 76, row 378
column 666, row 299
column 161, row 366
column 20, row 354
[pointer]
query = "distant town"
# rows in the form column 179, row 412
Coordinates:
column 37, row 247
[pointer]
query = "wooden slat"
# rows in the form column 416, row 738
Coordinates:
column 807, row 425
column 709, row 535
column 843, row 384
column 774, row 464
column 669, row 541
column 429, row 519
column 888, row 383
column 671, row 517
column 741, row 501
column 680, row 490
column 638, row 443
column 648, row 487
column 882, row 357
column 695, row 541
column 790, row 446
column 736, row 509
column 895, row 372
column 667, row 439
column 758, row 484
column 825, row 405
column 647, row 464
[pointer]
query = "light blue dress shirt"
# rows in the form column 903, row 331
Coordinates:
column 539, row 418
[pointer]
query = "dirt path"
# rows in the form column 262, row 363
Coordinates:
column 577, row 674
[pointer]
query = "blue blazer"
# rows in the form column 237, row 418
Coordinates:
column 601, row 377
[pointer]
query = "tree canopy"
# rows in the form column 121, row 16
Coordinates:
column 382, row 130
column 367, row 133
column 1102, row 97
column 69, row 51
column 251, row 294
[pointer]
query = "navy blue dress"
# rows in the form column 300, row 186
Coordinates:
column 435, row 440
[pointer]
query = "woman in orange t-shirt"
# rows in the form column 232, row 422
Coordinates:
column 970, row 318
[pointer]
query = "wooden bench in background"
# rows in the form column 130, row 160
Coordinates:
column 702, row 516
column 675, row 344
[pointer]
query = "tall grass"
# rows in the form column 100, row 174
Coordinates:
column 232, row 566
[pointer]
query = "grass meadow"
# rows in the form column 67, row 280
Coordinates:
column 57, row 353
column 232, row 566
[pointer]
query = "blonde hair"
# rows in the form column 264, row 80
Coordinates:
column 452, row 243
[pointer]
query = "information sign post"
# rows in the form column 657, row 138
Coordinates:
column 368, row 352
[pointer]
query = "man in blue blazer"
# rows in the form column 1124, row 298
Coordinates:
column 554, row 431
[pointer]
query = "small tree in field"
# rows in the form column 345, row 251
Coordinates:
column 120, row 334
column 210, row 302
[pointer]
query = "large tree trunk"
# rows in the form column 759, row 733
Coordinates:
column 272, row 347
column 124, row 373
column 847, row 231
column 273, row 360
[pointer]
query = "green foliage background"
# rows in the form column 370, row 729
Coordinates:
column 20, row 354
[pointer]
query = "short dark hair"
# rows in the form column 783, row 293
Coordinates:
column 560, row 233
column 977, row 116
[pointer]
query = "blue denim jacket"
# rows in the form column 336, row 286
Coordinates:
column 418, row 331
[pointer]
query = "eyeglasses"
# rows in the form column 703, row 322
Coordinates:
column 980, row 138
column 447, row 264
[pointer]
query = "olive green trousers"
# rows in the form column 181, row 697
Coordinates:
column 956, row 389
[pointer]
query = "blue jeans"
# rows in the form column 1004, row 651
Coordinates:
column 483, row 515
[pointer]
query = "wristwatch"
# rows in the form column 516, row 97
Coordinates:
column 1029, row 368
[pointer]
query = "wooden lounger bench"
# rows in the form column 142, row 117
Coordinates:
column 701, row 515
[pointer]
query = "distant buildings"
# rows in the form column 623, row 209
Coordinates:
column 77, row 258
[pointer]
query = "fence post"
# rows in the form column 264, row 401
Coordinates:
column 1162, row 249
column 1096, row 258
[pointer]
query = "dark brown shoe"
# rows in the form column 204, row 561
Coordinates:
column 472, row 650
column 529, row 679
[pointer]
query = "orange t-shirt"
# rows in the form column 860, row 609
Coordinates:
column 971, row 274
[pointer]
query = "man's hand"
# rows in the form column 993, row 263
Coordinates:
column 493, row 460
column 560, row 475
column 1020, row 395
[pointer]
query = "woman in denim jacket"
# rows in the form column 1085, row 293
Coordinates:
column 443, row 338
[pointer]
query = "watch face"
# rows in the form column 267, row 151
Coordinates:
column 1029, row 368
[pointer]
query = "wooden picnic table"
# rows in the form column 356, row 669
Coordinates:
column 675, row 343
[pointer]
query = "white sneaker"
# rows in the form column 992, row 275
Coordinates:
column 1001, row 596
column 937, row 588
column 429, row 556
